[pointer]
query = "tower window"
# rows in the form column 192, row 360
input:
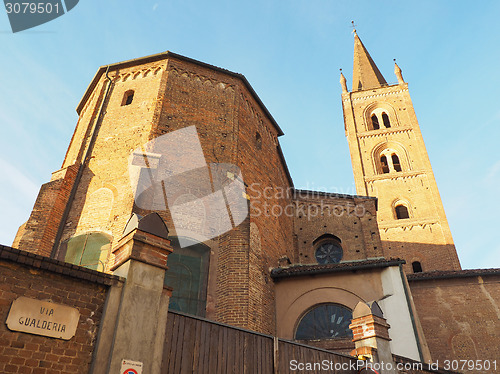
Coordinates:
column 128, row 97
column 396, row 163
column 325, row 321
column 402, row 212
column 385, row 165
column 417, row 267
column 375, row 123
column 385, row 119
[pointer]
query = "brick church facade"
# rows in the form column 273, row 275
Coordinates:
column 306, row 266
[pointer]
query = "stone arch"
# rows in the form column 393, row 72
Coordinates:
column 377, row 109
column 312, row 325
column 387, row 149
column 309, row 299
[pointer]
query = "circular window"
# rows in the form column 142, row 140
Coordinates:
column 329, row 252
column 325, row 321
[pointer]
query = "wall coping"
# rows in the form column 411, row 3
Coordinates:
column 56, row 266
column 451, row 274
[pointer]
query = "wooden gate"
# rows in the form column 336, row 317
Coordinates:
column 196, row 345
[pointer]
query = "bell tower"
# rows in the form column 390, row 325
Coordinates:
column 390, row 162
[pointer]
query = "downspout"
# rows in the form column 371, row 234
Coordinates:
column 412, row 316
column 81, row 168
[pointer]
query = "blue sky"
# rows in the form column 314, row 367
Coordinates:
column 291, row 52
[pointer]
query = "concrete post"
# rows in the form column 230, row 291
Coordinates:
column 371, row 337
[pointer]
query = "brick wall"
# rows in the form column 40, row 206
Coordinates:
column 36, row 277
column 228, row 117
column 460, row 314
column 39, row 232
column 352, row 219
column 171, row 93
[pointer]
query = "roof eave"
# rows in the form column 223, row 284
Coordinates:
column 165, row 55
column 309, row 270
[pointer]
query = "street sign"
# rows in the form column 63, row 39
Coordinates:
column 131, row 367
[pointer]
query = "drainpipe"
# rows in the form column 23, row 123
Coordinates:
column 412, row 316
column 79, row 174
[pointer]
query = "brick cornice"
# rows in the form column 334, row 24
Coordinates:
column 144, row 247
column 395, row 176
column 384, row 132
column 369, row 326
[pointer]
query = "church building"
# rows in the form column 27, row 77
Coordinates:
column 174, row 203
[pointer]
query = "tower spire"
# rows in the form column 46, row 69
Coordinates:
column 399, row 74
column 365, row 73
column 343, row 82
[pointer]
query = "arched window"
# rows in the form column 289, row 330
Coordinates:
column 402, row 212
column 325, row 321
column 417, row 267
column 388, row 161
column 375, row 124
column 385, row 119
column 385, row 165
column 395, row 162
column 128, row 97
column 328, row 249
column 187, row 274
column 89, row 250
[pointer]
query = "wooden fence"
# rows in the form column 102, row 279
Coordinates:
column 196, row 345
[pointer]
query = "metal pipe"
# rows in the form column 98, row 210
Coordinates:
column 81, row 168
column 410, row 308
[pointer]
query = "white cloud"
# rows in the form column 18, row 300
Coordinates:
column 17, row 195
column 493, row 172
column 14, row 180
